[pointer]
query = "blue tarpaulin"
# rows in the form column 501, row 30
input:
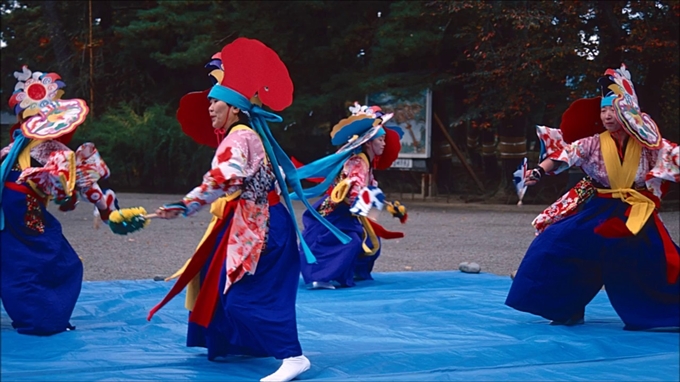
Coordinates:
column 415, row 326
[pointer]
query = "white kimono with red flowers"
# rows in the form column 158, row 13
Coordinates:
column 240, row 169
column 656, row 167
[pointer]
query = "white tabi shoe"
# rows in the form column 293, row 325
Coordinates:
column 289, row 370
column 322, row 285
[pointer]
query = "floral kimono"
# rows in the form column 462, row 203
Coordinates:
column 242, row 297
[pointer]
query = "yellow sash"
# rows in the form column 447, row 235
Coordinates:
column 340, row 191
column 621, row 177
column 369, row 233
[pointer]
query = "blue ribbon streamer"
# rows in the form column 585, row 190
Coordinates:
column 258, row 119
column 20, row 142
column 328, row 167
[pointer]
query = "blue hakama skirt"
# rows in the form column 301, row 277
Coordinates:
column 41, row 273
column 342, row 263
column 257, row 315
column 567, row 265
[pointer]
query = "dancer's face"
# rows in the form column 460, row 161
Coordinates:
column 609, row 120
column 221, row 114
column 377, row 145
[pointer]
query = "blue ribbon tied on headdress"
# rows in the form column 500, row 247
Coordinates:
column 330, row 166
column 258, row 119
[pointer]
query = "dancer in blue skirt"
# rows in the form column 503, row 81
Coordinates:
column 349, row 193
column 41, row 273
column 605, row 231
column 243, row 278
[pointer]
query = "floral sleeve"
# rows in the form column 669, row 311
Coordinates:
column 666, row 168
column 236, row 158
column 357, row 171
column 565, row 154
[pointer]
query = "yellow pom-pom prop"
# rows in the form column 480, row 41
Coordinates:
column 397, row 210
column 128, row 220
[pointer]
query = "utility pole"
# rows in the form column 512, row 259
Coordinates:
column 90, row 47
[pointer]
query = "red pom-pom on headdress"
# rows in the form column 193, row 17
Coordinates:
column 391, row 152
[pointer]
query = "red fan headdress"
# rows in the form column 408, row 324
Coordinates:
column 246, row 74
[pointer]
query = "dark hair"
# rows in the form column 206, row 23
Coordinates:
column 242, row 117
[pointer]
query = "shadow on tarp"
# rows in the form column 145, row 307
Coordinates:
column 414, row 326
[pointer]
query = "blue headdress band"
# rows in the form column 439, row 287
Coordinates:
column 607, row 100
column 379, row 134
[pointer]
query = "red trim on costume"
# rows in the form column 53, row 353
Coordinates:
column 273, row 198
column 672, row 255
column 613, row 228
column 381, row 232
column 25, row 190
column 195, row 264
column 209, row 291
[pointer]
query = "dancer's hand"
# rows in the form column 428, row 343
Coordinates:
column 171, row 210
column 533, row 176
column 529, row 181
column 167, row 214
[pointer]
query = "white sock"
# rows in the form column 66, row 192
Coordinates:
column 290, row 368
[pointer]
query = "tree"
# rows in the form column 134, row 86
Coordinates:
column 501, row 65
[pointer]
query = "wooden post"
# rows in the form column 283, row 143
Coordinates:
column 432, row 186
column 433, row 179
column 90, row 46
column 458, row 153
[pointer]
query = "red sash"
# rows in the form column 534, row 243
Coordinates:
column 671, row 253
column 25, row 190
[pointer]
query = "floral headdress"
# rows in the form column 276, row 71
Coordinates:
column 582, row 118
column 637, row 124
column 37, row 100
column 366, row 123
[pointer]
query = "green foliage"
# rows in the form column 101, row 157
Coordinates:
column 146, row 151
column 500, row 64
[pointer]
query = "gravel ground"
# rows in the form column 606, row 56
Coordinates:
column 438, row 237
